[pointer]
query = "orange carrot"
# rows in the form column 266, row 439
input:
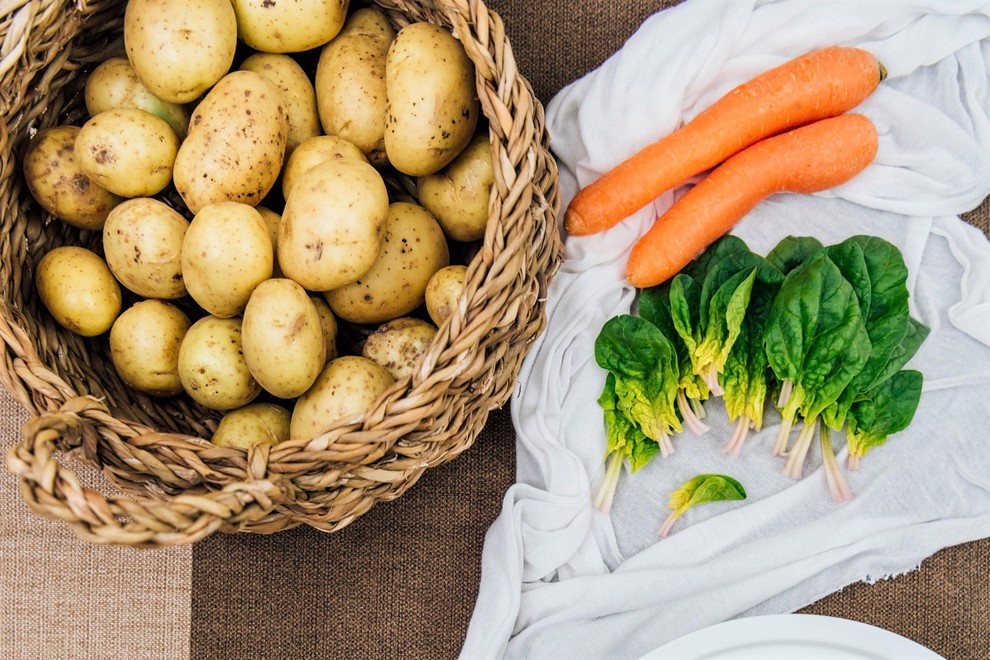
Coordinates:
column 821, row 84
column 804, row 160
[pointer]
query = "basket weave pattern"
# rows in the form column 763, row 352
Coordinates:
column 175, row 486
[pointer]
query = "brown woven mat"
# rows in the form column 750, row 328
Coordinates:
column 401, row 581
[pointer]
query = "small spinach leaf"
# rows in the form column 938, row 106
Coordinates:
column 792, row 251
column 699, row 490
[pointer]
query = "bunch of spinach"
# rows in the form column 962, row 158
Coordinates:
column 827, row 328
column 638, row 397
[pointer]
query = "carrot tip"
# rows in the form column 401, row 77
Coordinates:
column 883, row 71
column 574, row 223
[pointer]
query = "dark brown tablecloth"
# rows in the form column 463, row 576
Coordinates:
column 401, row 581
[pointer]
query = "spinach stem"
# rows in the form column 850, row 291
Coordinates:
column 699, row 410
column 852, row 461
column 785, row 392
column 606, row 492
column 841, row 492
column 668, row 524
column 691, row 420
column 711, row 379
column 739, row 434
column 795, row 460
column 666, row 446
column 783, row 436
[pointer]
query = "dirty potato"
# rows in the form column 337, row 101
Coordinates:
column 58, row 183
column 254, row 424
column 142, row 243
column 212, row 367
column 346, row 387
column 443, row 291
column 414, row 249
column 78, row 289
column 236, row 143
column 144, row 346
column 399, row 344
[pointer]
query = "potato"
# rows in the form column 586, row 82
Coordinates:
column 114, row 84
column 78, row 289
column 399, row 344
column 432, row 105
column 346, row 387
column 236, row 143
column 395, row 284
column 350, row 82
column 283, row 338
column 144, row 346
column 300, row 99
column 180, row 49
column 272, row 221
column 254, row 424
column 212, row 367
column 288, row 26
column 443, row 291
column 328, row 323
column 333, row 224
column 59, row 185
column 128, row 151
column 142, row 243
column 457, row 195
column 311, row 153
column 226, row 253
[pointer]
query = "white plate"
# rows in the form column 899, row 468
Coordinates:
column 792, row 637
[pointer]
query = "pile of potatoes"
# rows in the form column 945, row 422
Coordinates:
column 277, row 126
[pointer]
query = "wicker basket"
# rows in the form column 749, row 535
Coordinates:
column 175, row 486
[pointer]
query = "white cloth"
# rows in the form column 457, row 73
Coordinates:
column 561, row 579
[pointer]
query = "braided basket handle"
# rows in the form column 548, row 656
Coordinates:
column 55, row 492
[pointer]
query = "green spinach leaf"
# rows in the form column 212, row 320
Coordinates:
column 887, row 409
column 699, row 490
column 792, row 251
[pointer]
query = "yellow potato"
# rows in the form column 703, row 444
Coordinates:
column 333, row 224
column 254, row 424
column 399, row 344
column 180, row 49
column 144, row 346
column 142, row 243
column 128, row 151
column 226, row 253
column 58, row 184
column 443, row 292
column 458, row 195
column 350, row 82
column 114, row 84
column 395, row 284
column 432, row 102
column 78, row 289
column 283, row 338
column 345, row 388
column 328, row 322
column 288, row 26
column 271, row 220
column 236, row 143
column 300, row 99
column 212, row 367
column 311, row 153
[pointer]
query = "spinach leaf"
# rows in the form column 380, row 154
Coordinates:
column 699, row 490
column 915, row 336
column 654, row 306
column 815, row 341
column 638, row 397
column 745, row 376
column 716, row 252
column 887, row 409
column 878, row 273
column 792, row 251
